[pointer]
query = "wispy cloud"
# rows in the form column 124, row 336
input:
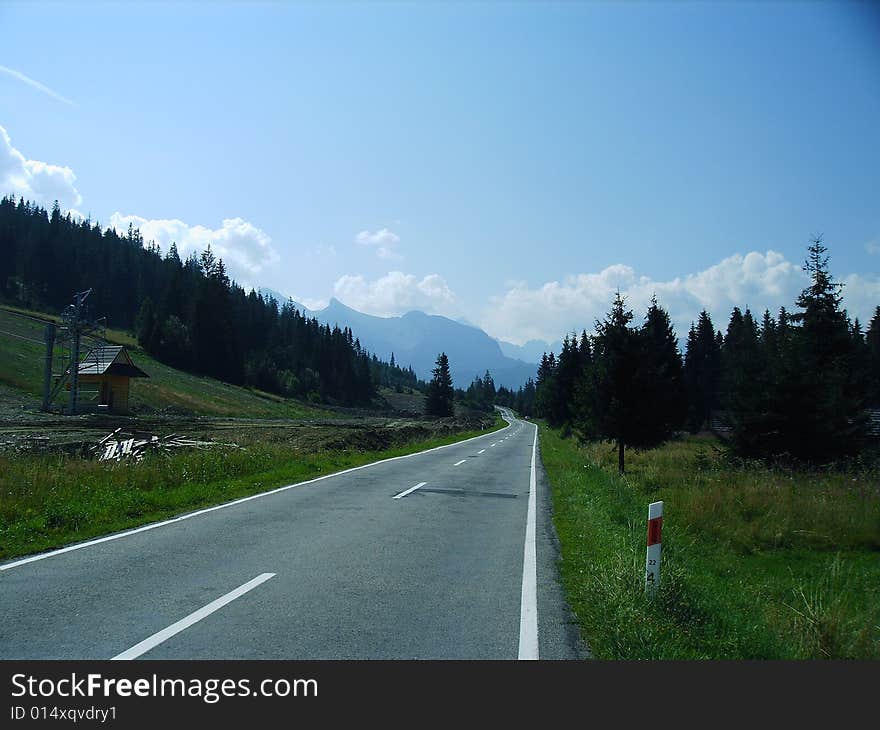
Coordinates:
column 384, row 240
column 35, row 84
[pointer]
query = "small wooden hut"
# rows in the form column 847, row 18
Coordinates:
column 109, row 369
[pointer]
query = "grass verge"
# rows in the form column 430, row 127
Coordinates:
column 757, row 562
column 47, row 501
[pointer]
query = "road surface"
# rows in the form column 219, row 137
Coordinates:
column 432, row 556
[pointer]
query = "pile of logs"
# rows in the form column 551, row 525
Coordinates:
column 121, row 444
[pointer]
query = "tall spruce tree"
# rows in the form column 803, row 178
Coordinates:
column 545, row 386
column 567, row 376
column 821, row 405
column 147, row 326
column 660, row 385
column 608, row 401
column 525, row 399
column 489, row 391
column 872, row 341
column 702, row 372
column 585, row 351
column 861, row 361
column 440, row 393
column 746, row 383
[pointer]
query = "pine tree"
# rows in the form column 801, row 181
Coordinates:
column 660, row 385
column 545, row 386
column 821, row 406
column 525, row 399
column 147, row 326
column 702, row 372
column 585, row 352
column 173, row 256
column 861, row 361
column 608, row 402
column 559, row 397
column 746, row 383
column 872, row 341
column 440, row 393
column 210, row 323
column 488, row 390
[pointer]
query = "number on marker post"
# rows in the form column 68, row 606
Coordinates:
column 652, row 558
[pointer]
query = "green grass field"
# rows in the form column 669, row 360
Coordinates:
column 757, row 562
column 21, row 364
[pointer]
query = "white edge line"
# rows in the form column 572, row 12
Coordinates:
column 153, row 525
column 457, row 463
column 150, row 642
column 528, row 611
column 407, row 491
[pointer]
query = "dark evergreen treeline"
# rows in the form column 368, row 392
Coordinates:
column 795, row 385
column 186, row 313
column 522, row 400
column 391, row 375
column 480, row 395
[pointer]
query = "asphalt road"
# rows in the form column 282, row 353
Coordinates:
column 357, row 565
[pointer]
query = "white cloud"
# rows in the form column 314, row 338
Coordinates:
column 37, row 181
column 245, row 249
column 396, row 293
column 758, row 281
column 384, row 239
column 861, row 296
column 33, row 83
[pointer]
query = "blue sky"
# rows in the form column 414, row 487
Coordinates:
column 511, row 164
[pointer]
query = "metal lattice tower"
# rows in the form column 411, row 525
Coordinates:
column 63, row 363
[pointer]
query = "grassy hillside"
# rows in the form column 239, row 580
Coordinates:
column 757, row 562
column 21, row 367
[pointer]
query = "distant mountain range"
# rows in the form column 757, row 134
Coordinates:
column 531, row 351
column 416, row 339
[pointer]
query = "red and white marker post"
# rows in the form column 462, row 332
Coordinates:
column 652, row 559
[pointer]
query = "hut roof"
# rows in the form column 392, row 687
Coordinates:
column 110, row 360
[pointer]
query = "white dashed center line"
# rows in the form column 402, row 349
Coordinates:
column 411, row 489
column 457, row 463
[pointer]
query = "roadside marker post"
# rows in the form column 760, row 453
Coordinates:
column 652, row 559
